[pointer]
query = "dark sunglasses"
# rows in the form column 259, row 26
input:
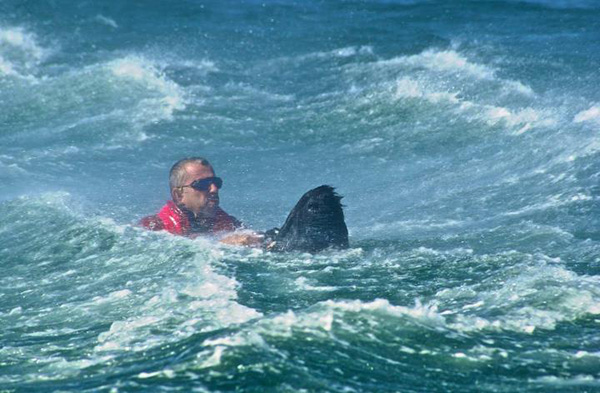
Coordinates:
column 204, row 184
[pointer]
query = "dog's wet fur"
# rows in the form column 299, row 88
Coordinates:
column 316, row 223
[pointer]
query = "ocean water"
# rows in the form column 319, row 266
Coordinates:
column 464, row 136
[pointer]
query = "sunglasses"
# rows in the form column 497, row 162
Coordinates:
column 204, row 184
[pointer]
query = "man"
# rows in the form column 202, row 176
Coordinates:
column 194, row 208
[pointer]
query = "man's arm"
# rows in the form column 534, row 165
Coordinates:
column 244, row 238
column 153, row 223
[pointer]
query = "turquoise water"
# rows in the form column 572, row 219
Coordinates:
column 465, row 137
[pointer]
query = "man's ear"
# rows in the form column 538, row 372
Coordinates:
column 177, row 194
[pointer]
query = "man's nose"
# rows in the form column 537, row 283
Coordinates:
column 213, row 188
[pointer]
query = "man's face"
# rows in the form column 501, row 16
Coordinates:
column 200, row 202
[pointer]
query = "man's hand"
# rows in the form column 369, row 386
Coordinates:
column 248, row 239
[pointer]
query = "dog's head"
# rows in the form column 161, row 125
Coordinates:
column 315, row 223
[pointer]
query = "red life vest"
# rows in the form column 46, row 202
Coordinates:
column 172, row 219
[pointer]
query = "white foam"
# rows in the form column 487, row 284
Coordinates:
column 345, row 52
column 135, row 68
column 205, row 66
column 11, row 170
column 113, row 296
column 170, row 96
column 213, row 359
column 586, row 354
column 524, row 119
column 591, row 114
column 566, row 381
column 168, row 373
column 572, row 297
column 480, row 353
column 590, row 147
column 56, row 368
column 235, row 340
column 443, row 61
column 107, row 21
column 352, row 51
column 6, row 68
column 520, row 120
column 317, row 321
column 204, row 301
column 409, row 88
column 303, row 283
column 422, row 312
column 50, row 332
column 16, row 310
column 19, row 53
column 18, row 38
column 450, row 73
column 217, row 347
column 551, row 201
column 519, row 87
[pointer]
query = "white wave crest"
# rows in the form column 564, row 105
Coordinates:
column 552, row 201
column 204, row 66
column 524, row 299
column 353, row 51
column 456, row 64
column 519, row 87
column 217, row 347
column 168, row 98
column 204, row 301
column 7, row 69
column 107, row 21
column 409, row 88
column 421, row 312
column 342, row 52
column 18, row 38
column 318, row 321
column 443, row 61
column 520, row 120
column 11, row 170
column 20, row 52
column 577, row 380
column 591, row 114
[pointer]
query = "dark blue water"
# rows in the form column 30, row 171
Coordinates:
column 465, row 137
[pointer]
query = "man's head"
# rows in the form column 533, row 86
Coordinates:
column 203, row 198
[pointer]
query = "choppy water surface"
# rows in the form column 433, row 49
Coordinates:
column 465, row 137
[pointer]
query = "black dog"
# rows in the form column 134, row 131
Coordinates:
column 314, row 224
